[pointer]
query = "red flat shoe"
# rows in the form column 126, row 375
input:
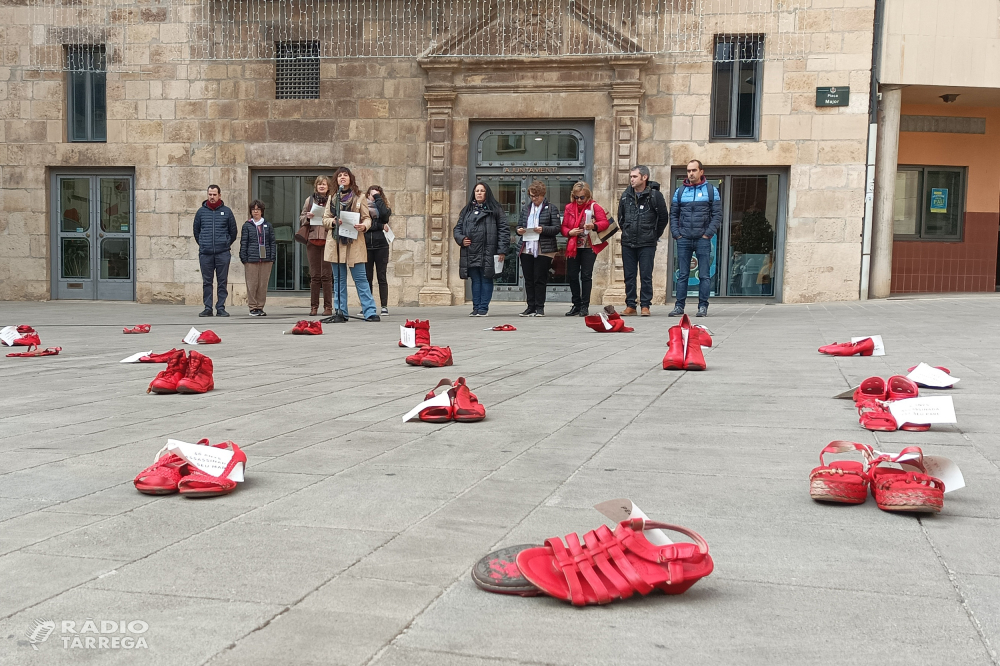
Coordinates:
column 901, row 490
column 202, row 484
column 141, row 328
column 33, row 351
column 418, row 357
column 467, row 407
column 209, row 338
column 864, row 347
column 162, row 476
column 613, row 565
column 874, row 415
column 900, row 388
column 872, row 388
column 441, row 414
column 437, row 357
column 843, row 481
column 159, row 358
column 166, row 380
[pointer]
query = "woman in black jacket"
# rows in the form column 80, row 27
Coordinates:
column 257, row 251
column 378, row 246
column 540, row 221
column 483, row 234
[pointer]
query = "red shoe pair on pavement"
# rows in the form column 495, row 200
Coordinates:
column 464, row 407
column 872, row 400
column 171, row 473
column 21, row 336
column 894, row 488
column 141, row 328
column 609, row 322
column 422, row 331
column 184, row 374
column 306, row 327
column 430, row 356
column 684, row 346
column 863, row 347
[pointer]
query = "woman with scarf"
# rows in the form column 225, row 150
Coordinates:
column 257, row 252
column 348, row 252
column 582, row 215
column 540, row 219
column 483, row 234
column 320, row 276
column 378, row 246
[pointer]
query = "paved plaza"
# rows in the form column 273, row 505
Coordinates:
column 352, row 538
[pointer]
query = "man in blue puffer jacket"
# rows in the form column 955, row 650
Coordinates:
column 695, row 217
column 215, row 232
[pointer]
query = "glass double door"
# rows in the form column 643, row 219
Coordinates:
column 744, row 258
column 93, row 237
column 512, row 193
column 283, row 195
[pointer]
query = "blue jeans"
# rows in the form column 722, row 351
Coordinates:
column 360, row 283
column 638, row 260
column 482, row 290
column 702, row 248
column 217, row 266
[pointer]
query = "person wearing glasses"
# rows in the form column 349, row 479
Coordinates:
column 695, row 216
column 643, row 216
column 581, row 216
column 539, row 220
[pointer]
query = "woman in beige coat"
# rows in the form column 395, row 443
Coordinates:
column 344, row 252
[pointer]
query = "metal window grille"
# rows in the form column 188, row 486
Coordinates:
column 296, row 71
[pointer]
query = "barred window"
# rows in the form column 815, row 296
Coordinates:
column 296, row 71
column 736, row 86
column 87, row 106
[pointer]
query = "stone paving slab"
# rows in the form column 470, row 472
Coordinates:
column 352, row 538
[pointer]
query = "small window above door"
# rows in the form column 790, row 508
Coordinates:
column 531, row 147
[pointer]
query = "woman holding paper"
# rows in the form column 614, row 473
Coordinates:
column 378, row 243
column 484, row 237
column 345, row 218
column 538, row 227
column 320, row 276
column 582, row 217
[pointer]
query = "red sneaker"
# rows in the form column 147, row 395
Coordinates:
column 198, row 378
column 864, row 347
column 418, row 357
column 422, row 331
column 167, row 379
column 306, row 327
column 437, row 357
column 159, row 358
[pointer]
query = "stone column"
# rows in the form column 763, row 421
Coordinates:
column 440, row 98
column 880, row 275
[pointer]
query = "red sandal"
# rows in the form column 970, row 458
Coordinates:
column 162, row 477
column 872, row 388
column 203, row 484
column 441, row 413
column 503, row 327
column 467, row 407
column 864, row 347
column 613, row 565
column 875, row 415
column 843, row 481
column 32, row 351
column 901, row 490
column 141, row 328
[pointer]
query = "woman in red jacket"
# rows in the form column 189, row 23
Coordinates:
column 582, row 215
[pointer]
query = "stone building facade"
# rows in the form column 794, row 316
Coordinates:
column 176, row 123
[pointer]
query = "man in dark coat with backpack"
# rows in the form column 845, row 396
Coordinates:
column 695, row 217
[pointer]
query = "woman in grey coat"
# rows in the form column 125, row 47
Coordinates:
column 483, row 234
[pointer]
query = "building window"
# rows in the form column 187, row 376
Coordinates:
column 87, row 105
column 736, row 86
column 296, row 71
column 929, row 203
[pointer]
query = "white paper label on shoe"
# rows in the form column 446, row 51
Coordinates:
column 624, row 509
column 208, row 459
column 877, row 339
column 925, row 375
column 408, row 336
column 442, row 400
column 134, row 358
column 192, row 337
column 389, row 236
column 924, row 410
column 604, row 320
column 8, row 334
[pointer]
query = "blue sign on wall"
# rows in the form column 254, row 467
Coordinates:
column 939, row 199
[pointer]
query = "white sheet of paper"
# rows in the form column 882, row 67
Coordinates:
column 604, row 320
column 317, row 218
column 8, row 334
column 937, row 466
column 925, row 375
column 530, row 234
column 134, row 358
column 192, row 337
column 208, row 459
column 408, row 336
column 347, row 222
column 624, row 509
column 389, row 236
column 442, row 400
column 939, row 409
column 497, row 264
column 877, row 339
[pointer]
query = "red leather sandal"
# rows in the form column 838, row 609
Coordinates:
column 202, row 484
column 33, row 351
column 614, row 565
column 141, row 328
column 440, row 414
column 872, row 388
column 875, row 415
column 900, row 388
column 864, row 347
column 437, row 357
column 162, row 476
column 843, row 481
column 418, row 357
column 902, row 490
column 467, row 407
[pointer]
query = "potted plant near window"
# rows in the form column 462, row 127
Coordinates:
column 753, row 248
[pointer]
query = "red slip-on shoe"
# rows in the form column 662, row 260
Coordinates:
column 902, row 490
column 614, row 565
column 418, row 357
column 864, row 347
column 166, row 380
column 437, row 357
column 202, row 484
column 34, row 351
column 900, row 388
column 498, row 573
column 843, row 481
column 874, row 415
column 199, row 377
column 141, row 328
column 442, row 413
column 467, row 407
column 158, row 358
column 209, row 338
column 674, row 358
column 873, row 388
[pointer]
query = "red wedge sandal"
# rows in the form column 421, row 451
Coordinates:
column 843, row 481
column 901, row 490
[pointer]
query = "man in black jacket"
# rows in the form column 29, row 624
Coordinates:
column 642, row 217
column 215, row 232
column 695, row 216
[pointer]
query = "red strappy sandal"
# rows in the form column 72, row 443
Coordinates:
column 843, row 481
column 503, row 327
column 467, row 407
column 440, row 414
column 872, row 388
column 874, row 415
column 33, row 351
column 864, row 347
column 902, row 490
column 141, row 328
column 613, row 565
column 202, row 484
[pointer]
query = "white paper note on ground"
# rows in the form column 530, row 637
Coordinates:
column 192, row 337
column 442, row 400
column 389, row 236
column 923, row 410
column 317, row 218
column 925, row 375
column 347, row 222
column 134, row 358
column 877, row 339
column 625, row 509
column 8, row 334
column 208, row 459
column 408, row 336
